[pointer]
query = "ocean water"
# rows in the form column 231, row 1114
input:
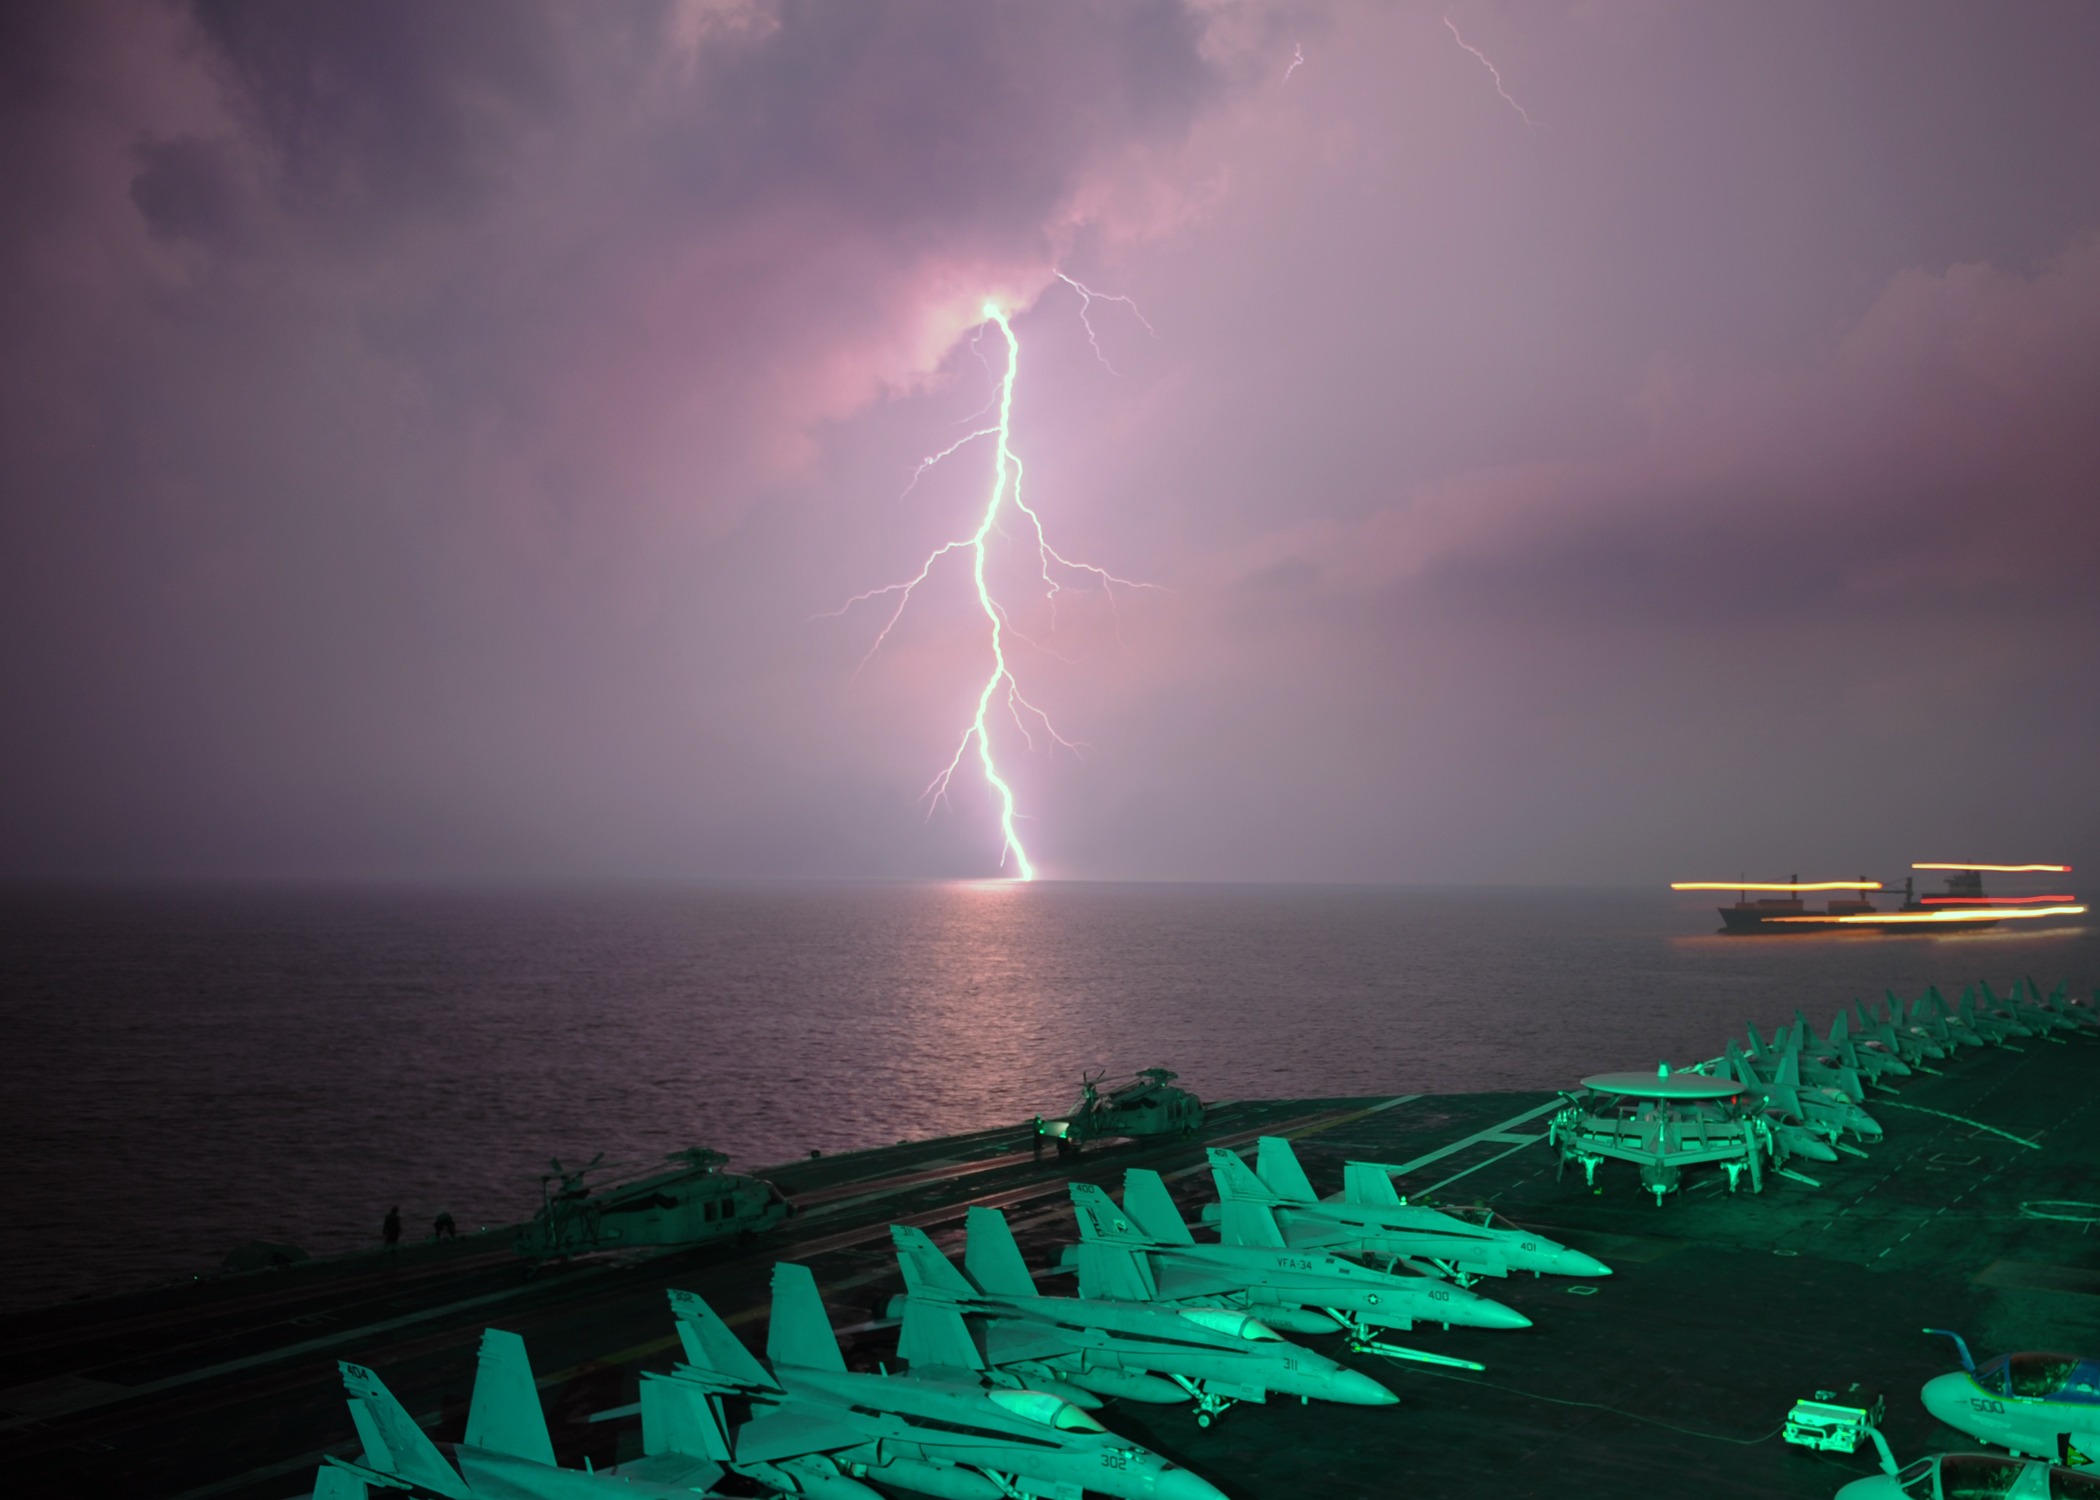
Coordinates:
column 188, row 1069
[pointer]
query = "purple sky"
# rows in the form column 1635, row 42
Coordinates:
column 431, row 436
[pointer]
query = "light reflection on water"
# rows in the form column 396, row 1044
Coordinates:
column 192, row 1069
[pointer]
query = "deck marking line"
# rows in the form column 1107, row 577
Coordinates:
column 1512, row 1151
column 1489, row 1134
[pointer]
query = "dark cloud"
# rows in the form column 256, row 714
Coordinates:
column 427, row 430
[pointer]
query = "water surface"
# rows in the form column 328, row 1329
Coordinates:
column 188, row 1069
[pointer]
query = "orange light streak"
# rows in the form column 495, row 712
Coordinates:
column 2001, row 869
column 1753, row 885
column 1980, row 914
column 1994, row 900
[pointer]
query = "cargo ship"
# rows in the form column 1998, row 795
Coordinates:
column 1779, row 908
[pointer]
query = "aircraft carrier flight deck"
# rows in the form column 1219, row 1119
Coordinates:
column 1671, row 1376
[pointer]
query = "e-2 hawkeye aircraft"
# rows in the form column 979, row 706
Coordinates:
column 1371, row 1218
column 1217, row 1356
column 2043, row 1405
column 816, row 1428
column 507, row 1454
column 1143, row 1252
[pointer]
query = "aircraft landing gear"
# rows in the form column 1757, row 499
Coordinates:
column 1209, row 1404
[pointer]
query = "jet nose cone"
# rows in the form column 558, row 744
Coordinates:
column 1880, row 1487
column 1358, row 1389
column 1483, row 1313
column 1575, row 1263
column 1947, row 1398
column 1180, row 1484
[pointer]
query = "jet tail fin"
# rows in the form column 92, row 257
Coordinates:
column 711, row 1348
column 935, row 1336
column 927, row 1272
column 1236, row 1180
column 801, row 1332
column 394, row 1444
column 1841, row 1029
column 681, row 1417
column 504, row 1414
column 991, row 1257
column 1114, row 1271
column 1241, row 1223
column 1370, row 1184
column 1277, row 1165
column 1149, row 1206
column 1100, row 1219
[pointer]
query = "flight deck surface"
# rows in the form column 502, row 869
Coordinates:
column 1671, row 1377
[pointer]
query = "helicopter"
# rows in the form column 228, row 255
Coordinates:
column 1145, row 1107
column 690, row 1202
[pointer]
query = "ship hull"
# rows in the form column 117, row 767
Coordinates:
column 1747, row 923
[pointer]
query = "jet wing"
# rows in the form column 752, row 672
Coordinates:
column 1010, row 1340
column 1179, row 1282
column 1313, row 1231
column 787, row 1433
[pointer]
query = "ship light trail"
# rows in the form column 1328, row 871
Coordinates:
column 1000, row 687
column 1944, row 918
column 2002, row 869
column 1781, row 885
column 1995, row 900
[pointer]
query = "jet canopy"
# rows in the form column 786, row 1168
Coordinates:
column 1992, row 1476
column 1235, row 1324
column 1051, row 1411
column 2055, row 1377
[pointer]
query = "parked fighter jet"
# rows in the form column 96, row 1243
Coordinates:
column 1371, row 1218
column 1143, row 1252
column 1794, row 1132
column 1839, row 1050
column 2039, row 1020
column 1892, row 1028
column 1216, row 1355
column 2043, row 1405
column 817, row 1428
column 507, row 1454
column 2082, row 1017
column 1961, row 1476
column 1820, row 1103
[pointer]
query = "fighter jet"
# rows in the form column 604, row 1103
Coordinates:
column 1892, row 1028
column 1792, row 1131
column 2039, row 1020
column 1143, row 1252
column 1840, row 1050
column 1216, row 1355
column 1993, row 1025
column 2081, row 1016
column 817, row 1428
column 1958, row 1476
column 2043, row 1405
column 507, row 1454
column 1819, row 1103
column 1371, row 1218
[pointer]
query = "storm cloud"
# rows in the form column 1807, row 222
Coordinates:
column 433, row 437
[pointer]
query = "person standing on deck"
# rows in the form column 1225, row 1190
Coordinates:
column 390, row 1231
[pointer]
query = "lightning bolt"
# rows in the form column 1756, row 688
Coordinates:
column 1297, row 60
column 1087, row 298
column 1000, row 686
column 1493, row 72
